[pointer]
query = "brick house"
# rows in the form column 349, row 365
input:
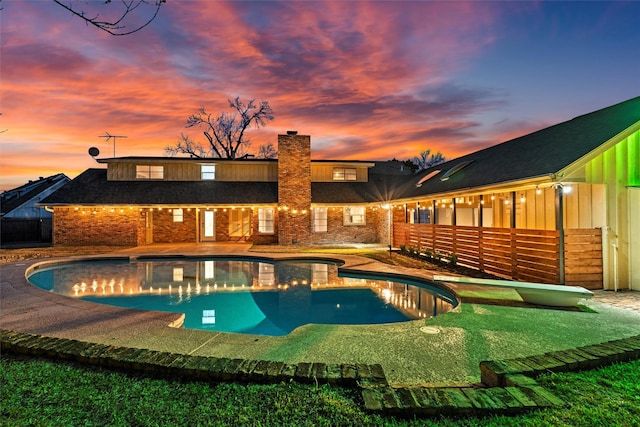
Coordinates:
column 505, row 209
column 291, row 200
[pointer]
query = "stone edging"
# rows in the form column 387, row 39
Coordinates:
column 508, row 386
column 197, row 367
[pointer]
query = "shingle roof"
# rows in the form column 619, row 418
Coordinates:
column 92, row 187
column 545, row 152
column 16, row 197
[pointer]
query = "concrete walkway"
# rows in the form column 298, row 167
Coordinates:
column 471, row 333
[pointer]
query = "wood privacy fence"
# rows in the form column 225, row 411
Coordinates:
column 517, row 254
column 25, row 230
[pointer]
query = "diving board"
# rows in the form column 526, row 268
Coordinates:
column 534, row 293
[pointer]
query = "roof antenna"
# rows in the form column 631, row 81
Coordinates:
column 108, row 136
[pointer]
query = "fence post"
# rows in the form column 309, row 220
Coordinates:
column 514, row 254
column 480, row 251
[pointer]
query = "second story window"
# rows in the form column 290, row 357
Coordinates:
column 149, row 172
column 344, row 174
column 208, row 172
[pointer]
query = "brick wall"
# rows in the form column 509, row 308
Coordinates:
column 108, row 227
column 263, row 239
column 371, row 232
column 165, row 230
column 294, row 188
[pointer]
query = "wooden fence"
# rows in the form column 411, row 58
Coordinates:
column 25, row 230
column 583, row 258
column 517, row 254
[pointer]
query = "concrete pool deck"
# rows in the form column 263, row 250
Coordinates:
column 475, row 331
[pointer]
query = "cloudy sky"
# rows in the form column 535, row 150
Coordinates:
column 367, row 80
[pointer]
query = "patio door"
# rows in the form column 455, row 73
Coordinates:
column 148, row 227
column 208, row 226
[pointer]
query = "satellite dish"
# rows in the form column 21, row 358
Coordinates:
column 93, row 152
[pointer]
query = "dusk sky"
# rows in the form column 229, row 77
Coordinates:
column 367, row 80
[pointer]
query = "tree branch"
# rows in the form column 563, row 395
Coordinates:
column 116, row 27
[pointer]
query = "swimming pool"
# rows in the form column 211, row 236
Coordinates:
column 246, row 295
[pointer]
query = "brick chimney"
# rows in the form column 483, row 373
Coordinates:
column 294, row 188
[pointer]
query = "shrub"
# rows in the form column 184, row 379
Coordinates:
column 452, row 258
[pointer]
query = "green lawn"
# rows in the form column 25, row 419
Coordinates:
column 39, row 392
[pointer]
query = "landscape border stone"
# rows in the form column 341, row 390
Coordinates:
column 508, row 386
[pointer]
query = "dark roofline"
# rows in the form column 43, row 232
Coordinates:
column 216, row 160
column 537, row 155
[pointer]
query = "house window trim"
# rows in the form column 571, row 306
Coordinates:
column 345, row 174
column 148, row 174
column 318, row 221
column 178, row 215
column 348, row 217
column 207, row 175
column 263, row 224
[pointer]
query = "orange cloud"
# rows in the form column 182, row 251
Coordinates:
column 367, row 80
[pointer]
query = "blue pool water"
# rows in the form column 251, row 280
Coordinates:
column 246, row 295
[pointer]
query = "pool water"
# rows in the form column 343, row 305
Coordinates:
column 245, row 295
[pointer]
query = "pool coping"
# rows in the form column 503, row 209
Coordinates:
column 508, row 386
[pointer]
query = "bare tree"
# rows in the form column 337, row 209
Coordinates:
column 267, row 151
column 124, row 22
column 427, row 160
column 225, row 133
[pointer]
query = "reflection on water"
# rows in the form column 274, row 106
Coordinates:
column 241, row 295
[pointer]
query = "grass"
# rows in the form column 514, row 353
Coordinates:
column 39, row 392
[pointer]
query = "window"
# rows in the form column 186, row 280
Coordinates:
column 427, row 177
column 344, row 174
column 178, row 274
column 457, row 168
column 239, row 223
column 319, row 220
column 178, row 215
column 265, row 220
column 208, row 172
column 354, row 215
column 149, row 172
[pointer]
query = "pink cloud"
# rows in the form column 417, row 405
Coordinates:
column 367, row 80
